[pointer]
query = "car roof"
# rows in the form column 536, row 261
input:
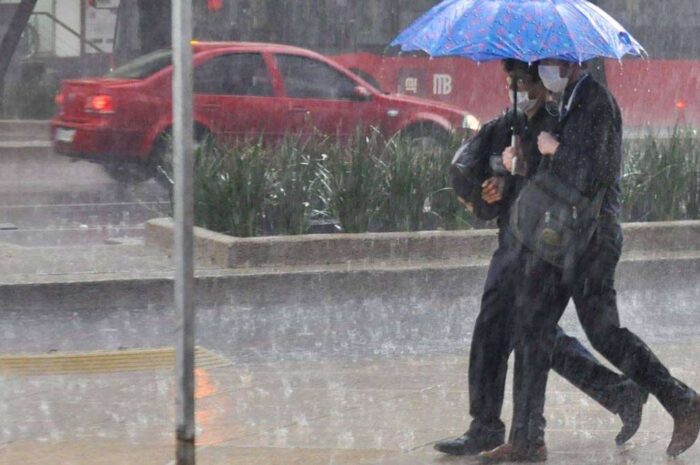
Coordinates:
column 198, row 46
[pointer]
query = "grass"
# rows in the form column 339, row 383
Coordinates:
column 369, row 183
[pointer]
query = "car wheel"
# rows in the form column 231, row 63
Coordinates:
column 427, row 137
column 128, row 172
column 161, row 159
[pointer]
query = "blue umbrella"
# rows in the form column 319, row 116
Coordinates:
column 527, row 30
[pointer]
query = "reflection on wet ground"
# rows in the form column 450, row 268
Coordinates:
column 363, row 411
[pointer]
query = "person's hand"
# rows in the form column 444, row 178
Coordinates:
column 492, row 190
column 507, row 156
column 547, row 144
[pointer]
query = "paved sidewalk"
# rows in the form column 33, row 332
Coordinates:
column 320, row 409
column 367, row 411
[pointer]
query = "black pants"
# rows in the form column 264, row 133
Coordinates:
column 492, row 344
column 542, row 298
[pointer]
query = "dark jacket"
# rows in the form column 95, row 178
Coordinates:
column 589, row 156
column 470, row 167
column 472, row 164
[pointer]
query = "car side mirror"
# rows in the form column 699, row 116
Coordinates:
column 361, row 94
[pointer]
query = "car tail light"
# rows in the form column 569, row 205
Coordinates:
column 99, row 104
column 58, row 99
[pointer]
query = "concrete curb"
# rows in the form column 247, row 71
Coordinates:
column 21, row 145
column 21, row 132
column 280, row 313
column 376, row 248
column 311, row 286
column 326, row 249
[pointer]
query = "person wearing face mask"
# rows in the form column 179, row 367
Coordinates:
column 584, row 152
column 492, row 341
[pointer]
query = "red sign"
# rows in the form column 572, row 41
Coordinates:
column 651, row 93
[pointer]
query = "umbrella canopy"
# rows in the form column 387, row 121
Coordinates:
column 527, row 30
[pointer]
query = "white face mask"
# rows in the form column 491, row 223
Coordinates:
column 525, row 103
column 551, row 78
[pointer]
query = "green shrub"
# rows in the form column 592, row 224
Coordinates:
column 293, row 186
column 660, row 177
column 371, row 184
column 407, row 185
column 443, row 208
column 229, row 187
column 351, row 180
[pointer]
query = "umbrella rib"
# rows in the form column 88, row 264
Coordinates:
column 568, row 32
column 420, row 26
column 634, row 48
column 453, row 27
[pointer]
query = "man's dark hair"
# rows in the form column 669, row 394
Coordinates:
column 511, row 65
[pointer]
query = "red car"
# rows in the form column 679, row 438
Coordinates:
column 241, row 89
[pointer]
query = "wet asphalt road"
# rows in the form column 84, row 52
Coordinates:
column 47, row 200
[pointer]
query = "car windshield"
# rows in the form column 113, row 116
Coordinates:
column 143, row 66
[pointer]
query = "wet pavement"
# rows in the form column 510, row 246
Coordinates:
column 305, row 379
column 365, row 411
column 51, row 200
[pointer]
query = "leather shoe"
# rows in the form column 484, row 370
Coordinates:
column 509, row 453
column 686, row 427
column 469, row 443
column 630, row 413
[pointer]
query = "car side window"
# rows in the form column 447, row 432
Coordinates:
column 308, row 78
column 234, row 74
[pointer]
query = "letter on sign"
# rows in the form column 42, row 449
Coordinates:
column 442, row 84
column 411, row 85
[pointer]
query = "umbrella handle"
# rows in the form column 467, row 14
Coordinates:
column 514, row 164
column 514, row 140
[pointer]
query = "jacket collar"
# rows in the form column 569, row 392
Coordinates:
column 570, row 100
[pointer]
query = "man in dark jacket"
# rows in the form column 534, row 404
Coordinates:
column 585, row 154
column 492, row 340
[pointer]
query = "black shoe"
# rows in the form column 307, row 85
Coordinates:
column 631, row 412
column 470, row 444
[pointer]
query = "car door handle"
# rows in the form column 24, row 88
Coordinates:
column 211, row 106
column 298, row 110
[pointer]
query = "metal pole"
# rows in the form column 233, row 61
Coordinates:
column 8, row 43
column 184, row 214
column 83, row 23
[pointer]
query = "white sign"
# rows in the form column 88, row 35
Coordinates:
column 411, row 85
column 99, row 28
column 442, row 84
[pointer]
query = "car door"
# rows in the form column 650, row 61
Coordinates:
column 320, row 97
column 234, row 95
